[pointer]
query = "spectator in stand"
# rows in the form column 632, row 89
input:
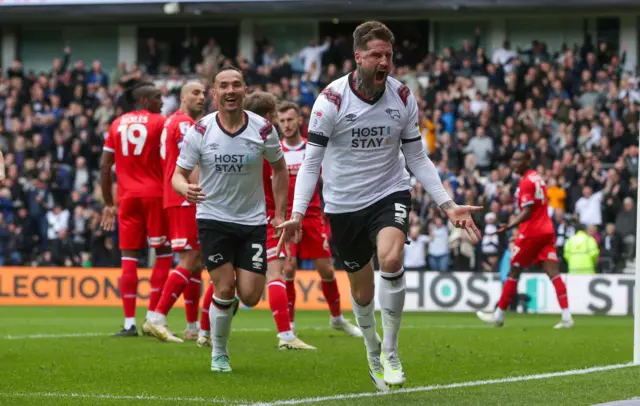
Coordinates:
column 576, row 111
column 438, row 245
column 415, row 252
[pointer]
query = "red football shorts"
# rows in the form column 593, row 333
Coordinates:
column 534, row 250
column 183, row 228
column 315, row 239
column 141, row 218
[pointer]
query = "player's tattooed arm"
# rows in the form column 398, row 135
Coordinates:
column 448, row 205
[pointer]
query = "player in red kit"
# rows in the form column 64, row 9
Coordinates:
column 314, row 244
column 264, row 104
column 133, row 145
column 183, row 230
column 534, row 241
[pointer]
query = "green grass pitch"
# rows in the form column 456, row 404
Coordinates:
column 39, row 366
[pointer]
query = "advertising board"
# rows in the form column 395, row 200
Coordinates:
column 426, row 291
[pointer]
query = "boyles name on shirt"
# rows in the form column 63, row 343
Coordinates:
column 134, row 120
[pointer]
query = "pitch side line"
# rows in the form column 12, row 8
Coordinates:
column 318, row 399
column 442, row 387
column 243, row 330
column 118, row 397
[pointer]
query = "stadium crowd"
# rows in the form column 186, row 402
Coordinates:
column 576, row 111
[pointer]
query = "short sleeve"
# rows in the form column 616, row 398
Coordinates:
column 411, row 129
column 182, row 129
column 109, row 144
column 323, row 117
column 272, row 148
column 191, row 148
column 527, row 193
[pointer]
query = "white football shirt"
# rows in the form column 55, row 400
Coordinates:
column 363, row 162
column 231, row 167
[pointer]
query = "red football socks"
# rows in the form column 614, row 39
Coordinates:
column 205, row 323
column 291, row 297
column 332, row 296
column 129, row 286
column 277, row 293
column 192, row 298
column 176, row 284
column 509, row 290
column 159, row 276
column 561, row 291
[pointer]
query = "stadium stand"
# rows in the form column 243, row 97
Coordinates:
column 576, row 111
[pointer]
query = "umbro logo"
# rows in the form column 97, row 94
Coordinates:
column 350, row 117
column 214, row 146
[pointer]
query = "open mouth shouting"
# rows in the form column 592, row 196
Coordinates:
column 380, row 76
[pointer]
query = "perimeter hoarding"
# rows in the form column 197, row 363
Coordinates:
column 426, row 291
column 101, row 287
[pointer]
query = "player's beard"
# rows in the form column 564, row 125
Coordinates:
column 364, row 82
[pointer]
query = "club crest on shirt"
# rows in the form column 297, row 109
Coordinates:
column 393, row 113
column 253, row 147
column 332, row 97
column 403, row 92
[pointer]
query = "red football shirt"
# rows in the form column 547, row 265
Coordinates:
column 294, row 157
column 174, row 131
column 532, row 191
column 134, row 138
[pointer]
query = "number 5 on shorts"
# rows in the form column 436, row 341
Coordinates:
column 401, row 213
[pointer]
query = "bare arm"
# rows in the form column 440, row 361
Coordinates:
column 2, row 168
column 523, row 216
column 280, row 184
column 195, row 175
column 180, row 180
column 106, row 182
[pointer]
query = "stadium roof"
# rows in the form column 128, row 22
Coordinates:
column 135, row 10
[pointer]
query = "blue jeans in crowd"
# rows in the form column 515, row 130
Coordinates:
column 439, row 263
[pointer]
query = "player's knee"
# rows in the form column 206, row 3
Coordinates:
column 391, row 262
column 289, row 269
column 362, row 295
column 325, row 269
column 251, row 299
column 225, row 290
column 274, row 271
column 191, row 261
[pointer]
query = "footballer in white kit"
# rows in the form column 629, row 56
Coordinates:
column 230, row 146
column 363, row 131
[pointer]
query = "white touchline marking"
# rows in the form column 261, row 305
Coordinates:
column 245, row 330
column 117, row 397
column 70, row 335
column 441, row 387
column 317, row 399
